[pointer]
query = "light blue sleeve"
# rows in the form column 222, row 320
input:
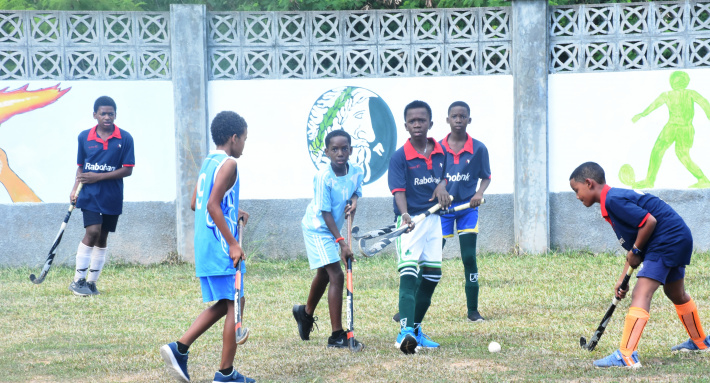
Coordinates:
column 322, row 197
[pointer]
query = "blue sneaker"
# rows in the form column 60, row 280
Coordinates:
column 233, row 377
column 424, row 341
column 406, row 341
column 616, row 359
column 689, row 345
column 175, row 361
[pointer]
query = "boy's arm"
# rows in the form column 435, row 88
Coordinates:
column 91, row 177
column 478, row 197
column 633, row 260
column 345, row 251
column 654, row 105
column 400, row 198
column 441, row 195
column 72, row 196
column 350, row 209
column 226, row 176
column 194, row 198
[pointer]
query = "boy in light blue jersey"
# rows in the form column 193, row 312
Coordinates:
column 333, row 187
column 216, row 205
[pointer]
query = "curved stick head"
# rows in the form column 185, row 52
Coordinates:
column 36, row 280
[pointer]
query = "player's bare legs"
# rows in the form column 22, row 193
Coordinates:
column 229, row 346
column 205, row 320
column 332, row 275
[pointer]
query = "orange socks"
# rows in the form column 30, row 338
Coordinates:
column 636, row 320
column 688, row 315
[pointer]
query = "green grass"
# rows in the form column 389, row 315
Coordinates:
column 536, row 307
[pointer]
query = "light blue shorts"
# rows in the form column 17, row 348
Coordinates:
column 321, row 249
column 220, row 287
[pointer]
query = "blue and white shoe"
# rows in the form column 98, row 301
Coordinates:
column 233, row 377
column 689, row 345
column 616, row 359
column 424, row 341
column 406, row 341
column 175, row 361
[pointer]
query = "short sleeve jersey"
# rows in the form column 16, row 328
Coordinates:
column 99, row 156
column 463, row 169
column 331, row 193
column 416, row 175
column 627, row 210
column 211, row 249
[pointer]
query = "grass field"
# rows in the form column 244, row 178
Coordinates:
column 537, row 308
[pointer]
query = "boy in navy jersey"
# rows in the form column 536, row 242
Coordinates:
column 217, row 250
column 104, row 158
column 653, row 233
column 417, row 180
column 466, row 163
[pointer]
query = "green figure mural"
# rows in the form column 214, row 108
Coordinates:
column 679, row 130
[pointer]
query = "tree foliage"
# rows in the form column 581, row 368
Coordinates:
column 264, row 5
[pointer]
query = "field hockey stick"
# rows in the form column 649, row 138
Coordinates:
column 241, row 333
column 389, row 238
column 459, row 208
column 57, row 239
column 607, row 317
column 373, row 233
column 350, row 313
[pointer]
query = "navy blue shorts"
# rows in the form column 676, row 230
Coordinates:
column 108, row 222
column 658, row 271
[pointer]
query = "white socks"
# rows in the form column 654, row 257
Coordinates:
column 83, row 258
column 98, row 259
column 91, row 259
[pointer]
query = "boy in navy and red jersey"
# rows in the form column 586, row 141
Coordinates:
column 653, row 233
column 466, row 163
column 104, row 158
column 416, row 179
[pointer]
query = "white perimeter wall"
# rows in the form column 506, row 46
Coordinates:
column 41, row 145
column 276, row 162
column 590, row 120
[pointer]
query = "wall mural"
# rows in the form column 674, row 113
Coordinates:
column 365, row 116
column 679, row 130
column 12, row 103
column 285, row 145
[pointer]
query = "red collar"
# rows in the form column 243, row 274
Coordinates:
column 95, row 137
column 467, row 147
column 602, row 201
column 410, row 153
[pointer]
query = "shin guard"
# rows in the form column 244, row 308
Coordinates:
column 636, row 321
column 688, row 315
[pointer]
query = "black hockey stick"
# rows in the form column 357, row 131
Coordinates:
column 350, row 313
column 57, row 239
column 373, row 233
column 389, row 238
column 607, row 317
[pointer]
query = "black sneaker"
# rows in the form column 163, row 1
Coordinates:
column 474, row 316
column 342, row 342
column 396, row 317
column 305, row 322
column 79, row 288
column 92, row 287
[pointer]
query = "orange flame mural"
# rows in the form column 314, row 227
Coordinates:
column 13, row 103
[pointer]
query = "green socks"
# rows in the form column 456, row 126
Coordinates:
column 429, row 277
column 407, row 288
column 468, row 256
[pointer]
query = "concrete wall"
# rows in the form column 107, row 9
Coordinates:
column 145, row 233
